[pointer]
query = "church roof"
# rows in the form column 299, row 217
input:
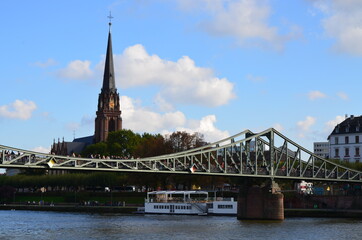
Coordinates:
column 86, row 140
column 109, row 77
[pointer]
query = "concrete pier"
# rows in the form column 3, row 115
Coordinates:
column 260, row 202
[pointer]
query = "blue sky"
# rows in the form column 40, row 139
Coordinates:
column 212, row 66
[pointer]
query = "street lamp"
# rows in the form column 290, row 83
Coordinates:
column 107, row 189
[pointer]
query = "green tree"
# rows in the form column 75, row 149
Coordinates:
column 100, row 149
column 123, row 143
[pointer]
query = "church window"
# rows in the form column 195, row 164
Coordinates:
column 112, row 125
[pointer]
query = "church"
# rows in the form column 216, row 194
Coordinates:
column 108, row 114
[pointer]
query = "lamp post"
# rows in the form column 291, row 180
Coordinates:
column 43, row 190
column 75, row 196
column 107, row 189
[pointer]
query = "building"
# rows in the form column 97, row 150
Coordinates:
column 345, row 140
column 108, row 114
column 321, row 149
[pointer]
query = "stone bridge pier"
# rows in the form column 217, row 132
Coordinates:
column 264, row 202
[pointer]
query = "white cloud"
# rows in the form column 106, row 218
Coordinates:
column 278, row 127
column 47, row 63
column 41, row 149
column 206, row 126
column 141, row 119
column 313, row 95
column 329, row 126
column 343, row 21
column 77, row 69
column 72, row 126
column 342, row 95
column 87, row 120
column 18, row 109
column 305, row 125
column 180, row 82
column 163, row 104
column 245, row 20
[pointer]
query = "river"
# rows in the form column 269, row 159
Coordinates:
column 56, row 225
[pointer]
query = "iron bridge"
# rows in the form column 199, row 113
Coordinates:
column 267, row 154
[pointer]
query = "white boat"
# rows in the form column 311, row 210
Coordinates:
column 188, row 202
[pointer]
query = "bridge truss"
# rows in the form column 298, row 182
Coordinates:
column 267, row 154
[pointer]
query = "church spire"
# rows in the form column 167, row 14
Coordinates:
column 109, row 84
column 109, row 108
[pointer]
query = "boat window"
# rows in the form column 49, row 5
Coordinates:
column 225, row 206
column 198, row 196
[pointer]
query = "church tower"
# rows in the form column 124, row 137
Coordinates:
column 108, row 114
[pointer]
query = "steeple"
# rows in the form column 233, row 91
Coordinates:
column 109, row 84
column 109, row 108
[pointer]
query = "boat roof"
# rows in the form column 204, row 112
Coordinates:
column 178, row 192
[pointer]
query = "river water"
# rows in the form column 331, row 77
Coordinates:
column 55, row 225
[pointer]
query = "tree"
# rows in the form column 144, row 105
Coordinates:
column 182, row 141
column 127, row 144
column 123, row 143
column 151, row 145
column 100, row 148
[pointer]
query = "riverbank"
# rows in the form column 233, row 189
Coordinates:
column 71, row 208
column 322, row 213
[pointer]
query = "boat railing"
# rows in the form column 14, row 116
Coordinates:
column 201, row 208
column 175, row 200
column 213, row 199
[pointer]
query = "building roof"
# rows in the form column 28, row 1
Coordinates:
column 348, row 126
column 109, row 84
column 87, row 140
column 75, row 147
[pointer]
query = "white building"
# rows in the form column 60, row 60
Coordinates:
column 321, row 149
column 345, row 141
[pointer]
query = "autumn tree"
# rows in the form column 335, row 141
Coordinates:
column 151, row 145
column 182, row 141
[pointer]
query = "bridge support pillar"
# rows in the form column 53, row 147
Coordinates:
column 260, row 202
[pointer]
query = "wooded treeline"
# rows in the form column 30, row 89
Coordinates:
column 126, row 144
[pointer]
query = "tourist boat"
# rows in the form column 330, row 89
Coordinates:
column 189, row 203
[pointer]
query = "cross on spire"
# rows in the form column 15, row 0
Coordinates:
column 110, row 18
